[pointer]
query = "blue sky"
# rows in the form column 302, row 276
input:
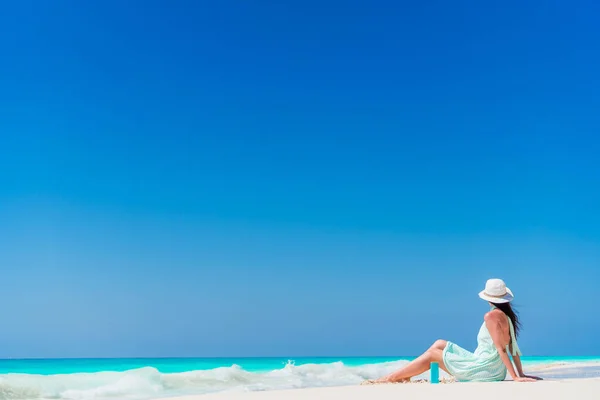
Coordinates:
column 318, row 178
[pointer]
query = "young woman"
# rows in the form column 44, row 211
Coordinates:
column 490, row 361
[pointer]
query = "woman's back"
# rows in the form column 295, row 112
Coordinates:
column 498, row 321
column 485, row 343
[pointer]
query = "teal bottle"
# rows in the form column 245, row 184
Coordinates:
column 435, row 373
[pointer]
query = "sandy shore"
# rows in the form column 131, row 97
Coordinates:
column 572, row 389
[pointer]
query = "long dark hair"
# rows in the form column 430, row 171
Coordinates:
column 507, row 309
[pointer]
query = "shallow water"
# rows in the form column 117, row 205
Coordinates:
column 138, row 379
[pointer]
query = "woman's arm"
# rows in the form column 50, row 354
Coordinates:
column 517, row 361
column 493, row 322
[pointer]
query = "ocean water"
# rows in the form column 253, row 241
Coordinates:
column 139, row 379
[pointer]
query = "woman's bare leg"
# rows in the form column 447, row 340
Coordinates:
column 418, row 365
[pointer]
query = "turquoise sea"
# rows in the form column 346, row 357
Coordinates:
column 146, row 378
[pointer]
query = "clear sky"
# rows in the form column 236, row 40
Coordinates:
column 233, row 178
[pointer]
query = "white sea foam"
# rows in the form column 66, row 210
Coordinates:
column 148, row 382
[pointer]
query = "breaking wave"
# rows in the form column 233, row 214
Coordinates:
column 148, row 382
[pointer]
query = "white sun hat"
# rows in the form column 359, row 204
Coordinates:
column 496, row 292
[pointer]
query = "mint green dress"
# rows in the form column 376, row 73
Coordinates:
column 485, row 364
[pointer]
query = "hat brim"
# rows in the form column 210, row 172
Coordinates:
column 508, row 297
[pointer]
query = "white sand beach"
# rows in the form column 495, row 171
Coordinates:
column 579, row 389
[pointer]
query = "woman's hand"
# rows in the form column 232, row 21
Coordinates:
column 537, row 378
column 524, row 379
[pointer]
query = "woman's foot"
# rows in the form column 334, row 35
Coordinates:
column 382, row 380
